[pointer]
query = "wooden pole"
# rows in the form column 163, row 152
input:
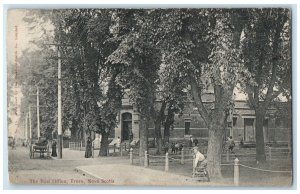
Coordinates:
column 131, row 156
column 26, row 128
column 182, row 156
column 30, row 129
column 59, row 107
column 167, row 162
column 236, row 172
column 38, row 112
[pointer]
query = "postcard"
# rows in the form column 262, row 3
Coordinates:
column 150, row 97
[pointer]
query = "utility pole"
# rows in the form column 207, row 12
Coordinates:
column 59, row 123
column 30, row 132
column 38, row 111
column 59, row 103
column 26, row 127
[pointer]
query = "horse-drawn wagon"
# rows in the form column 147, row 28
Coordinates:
column 42, row 147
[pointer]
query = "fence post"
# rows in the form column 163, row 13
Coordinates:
column 236, row 172
column 114, row 148
column 270, row 152
column 167, row 162
column 227, row 155
column 146, row 159
column 182, row 156
column 121, row 150
column 131, row 155
column 80, row 145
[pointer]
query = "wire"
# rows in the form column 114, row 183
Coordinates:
column 259, row 169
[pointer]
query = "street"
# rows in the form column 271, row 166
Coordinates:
column 23, row 170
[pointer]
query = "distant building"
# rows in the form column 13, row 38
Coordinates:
column 191, row 123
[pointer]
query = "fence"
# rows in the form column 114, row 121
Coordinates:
column 166, row 159
column 272, row 153
column 185, row 156
column 76, row 146
column 118, row 150
column 236, row 173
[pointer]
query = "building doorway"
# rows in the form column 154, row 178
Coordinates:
column 187, row 126
column 126, row 127
column 249, row 134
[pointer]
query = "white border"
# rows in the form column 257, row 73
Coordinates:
column 153, row 3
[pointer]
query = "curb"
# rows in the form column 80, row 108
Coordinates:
column 84, row 173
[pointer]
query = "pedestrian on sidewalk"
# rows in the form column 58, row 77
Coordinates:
column 54, row 153
column 88, row 148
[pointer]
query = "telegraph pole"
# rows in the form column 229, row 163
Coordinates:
column 59, row 127
column 59, row 103
column 38, row 112
column 30, row 132
column 26, row 127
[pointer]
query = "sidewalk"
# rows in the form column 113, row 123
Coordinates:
column 128, row 175
column 116, row 170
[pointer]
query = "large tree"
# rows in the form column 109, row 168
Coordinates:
column 204, row 46
column 266, row 49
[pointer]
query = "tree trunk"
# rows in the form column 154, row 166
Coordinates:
column 214, row 149
column 73, row 134
column 104, row 144
column 169, row 121
column 259, row 137
column 143, row 138
column 166, row 132
column 158, row 117
column 158, row 137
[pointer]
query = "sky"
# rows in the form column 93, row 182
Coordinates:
column 19, row 35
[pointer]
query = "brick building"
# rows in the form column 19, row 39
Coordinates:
column 276, row 129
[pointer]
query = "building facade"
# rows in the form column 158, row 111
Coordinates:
column 191, row 123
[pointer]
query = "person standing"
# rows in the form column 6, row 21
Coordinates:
column 196, row 142
column 241, row 140
column 88, row 148
column 231, row 144
column 54, row 153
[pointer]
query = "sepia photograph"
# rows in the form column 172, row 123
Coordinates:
column 150, row 97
